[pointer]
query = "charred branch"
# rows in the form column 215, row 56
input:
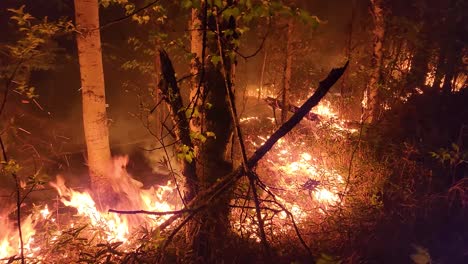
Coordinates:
column 171, row 95
column 149, row 212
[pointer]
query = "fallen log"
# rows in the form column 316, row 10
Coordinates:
column 203, row 198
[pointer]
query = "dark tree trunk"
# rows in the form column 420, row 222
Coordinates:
column 372, row 111
column 438, row 74
column 206, row 233
column 419, row 66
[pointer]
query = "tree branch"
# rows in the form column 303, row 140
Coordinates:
column 149, row 212
column 150, row 4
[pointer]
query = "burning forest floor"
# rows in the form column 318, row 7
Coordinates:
column 306, row 184
column 320, row 190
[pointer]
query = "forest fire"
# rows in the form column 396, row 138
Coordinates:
column 286, row 131
column 293, row 174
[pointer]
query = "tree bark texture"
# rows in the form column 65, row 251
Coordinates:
column 206, row 232
column 93, row 93
column 373, row 103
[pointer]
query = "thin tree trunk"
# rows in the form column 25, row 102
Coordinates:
column 453, row 60
column 262, row 75
column 158, row 109
column 93, row 93
column 419, row 67
column 345, row 91
column 373, row 100
column 206, row 232
column 439, row 70
column 453, row 45
column 287, row 73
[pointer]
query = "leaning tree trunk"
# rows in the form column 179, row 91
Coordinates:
column 206, row 232
column 450, row 69
column 287, row 73
column 93, row 93
column 373, row 101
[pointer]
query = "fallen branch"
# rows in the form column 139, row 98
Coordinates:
column 226, row 182
column 149, row 212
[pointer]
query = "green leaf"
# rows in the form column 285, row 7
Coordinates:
column 233, row 11
column 215, row 59
column 188, row 158
column 208, row 106
column 187, row 4
column 210, row 134
column 105, row 3
column 218, row 3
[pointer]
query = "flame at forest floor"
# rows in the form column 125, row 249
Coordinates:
column 302, row 180
column 297, row 172
column 45, row 231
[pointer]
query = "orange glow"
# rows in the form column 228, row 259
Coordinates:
column 112, row 227
column 301, row 180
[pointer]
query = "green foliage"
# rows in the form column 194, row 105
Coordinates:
column 186, row 153
column 33, row 49
column 26, row 90
column 157, row 12
column 186, row 4
column 34, row 35
column 210, row 134
column 308, row 19
column 10, row 167
column 215, row 59
column 453, row 156
column 192, row 112
column 197, row 136
column 327, row 259
column 107, row 3
column 202, row 137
